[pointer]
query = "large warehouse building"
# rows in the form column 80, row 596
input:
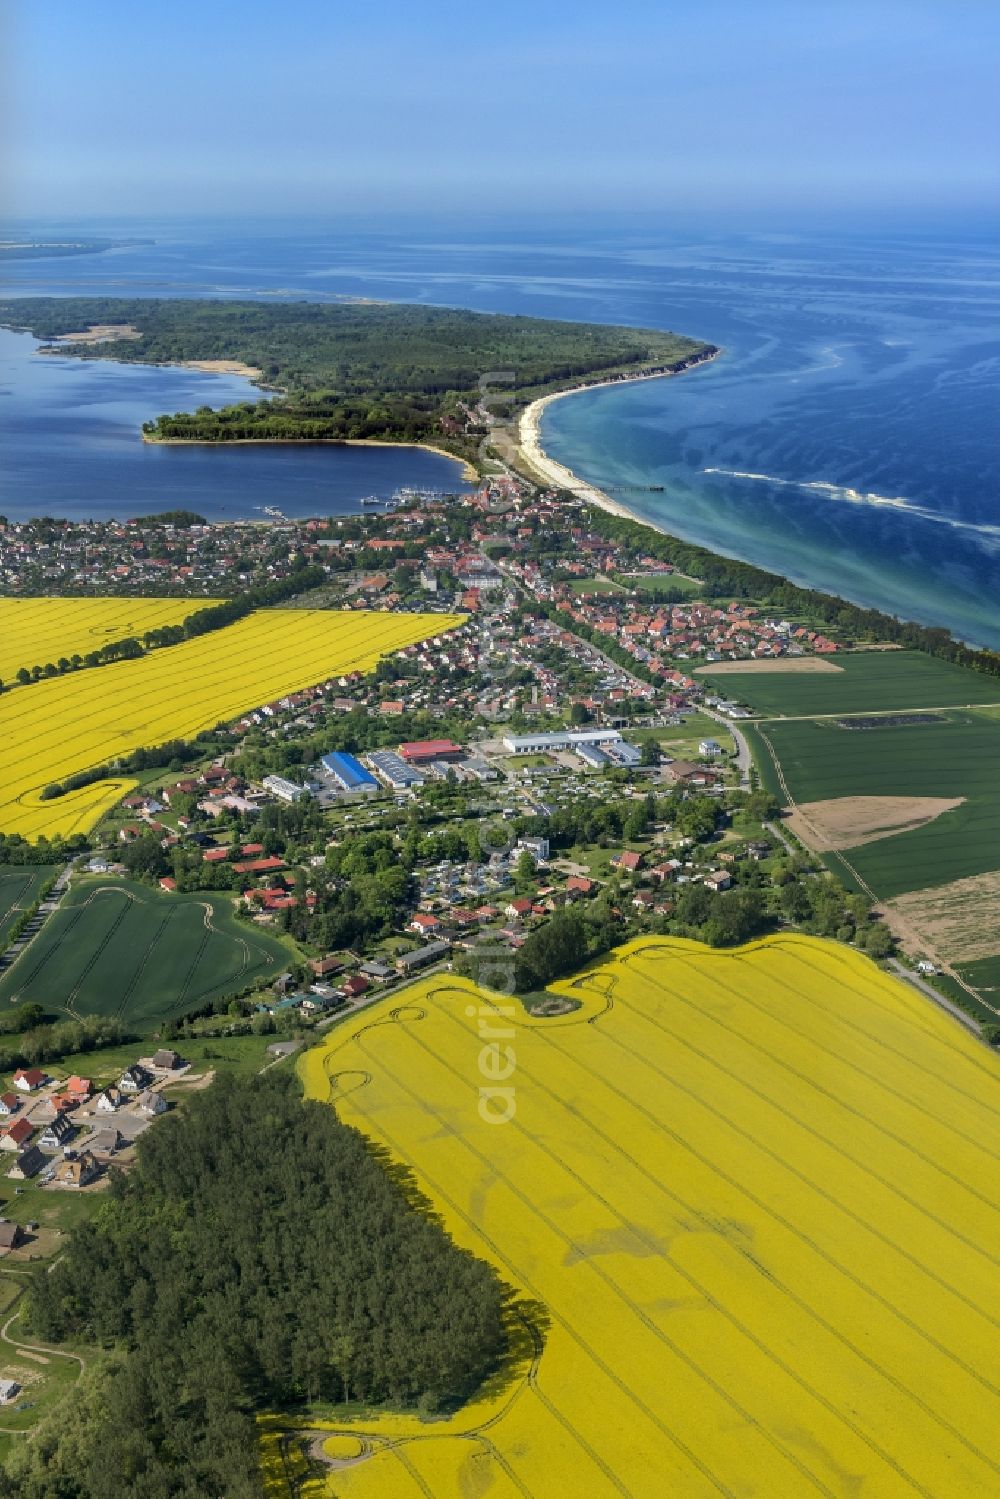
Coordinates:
column 567, row 739
column 425, row 751
column 348, row 772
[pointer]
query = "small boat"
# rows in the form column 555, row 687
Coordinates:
column 371, row 499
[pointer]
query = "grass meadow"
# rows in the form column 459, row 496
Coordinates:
column 120, row 949
column 744, row 1203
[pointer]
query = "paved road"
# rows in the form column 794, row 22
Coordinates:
column 48, row 905
column 744, row 759
column 772, row 827
column 931, row 993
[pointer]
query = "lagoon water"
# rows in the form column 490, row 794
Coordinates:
column 847, row 438
column 70, row 446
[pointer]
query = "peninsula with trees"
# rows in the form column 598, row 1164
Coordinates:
column 353, row 372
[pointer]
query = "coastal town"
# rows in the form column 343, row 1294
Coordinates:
column 560, row 747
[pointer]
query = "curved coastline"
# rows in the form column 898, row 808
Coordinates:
column 550, row 472
column 470, row 474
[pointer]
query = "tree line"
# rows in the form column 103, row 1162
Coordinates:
column 200, row 622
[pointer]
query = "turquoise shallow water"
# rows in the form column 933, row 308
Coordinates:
column 848, row 437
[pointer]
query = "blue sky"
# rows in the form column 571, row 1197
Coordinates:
column 133, row 107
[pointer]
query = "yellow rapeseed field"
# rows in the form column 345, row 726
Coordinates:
column 55, row 728
column 748, row 1203
column 36, row 631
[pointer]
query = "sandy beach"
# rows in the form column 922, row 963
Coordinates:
column 222, row 367
column 558, row 475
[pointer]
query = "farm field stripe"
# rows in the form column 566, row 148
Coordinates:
column 662, row 1126
column 585, row 1120
column 862, row 1166
column 594, row 1147
column 635, row 1399
column 741, row 1131
column 613, row 1285
column 63, row 726
column 597, row 1081
column 811, row 1082
column 907, row 1017
column 778, row 1018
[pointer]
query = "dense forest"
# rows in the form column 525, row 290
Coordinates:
column 354, row 371
column 260, row 1255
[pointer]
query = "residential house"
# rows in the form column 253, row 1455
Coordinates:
column 79, row 1172
column 719, row 879
column 355, row 986
column 108, row 1101
column 11, row 1235
column 423, row 923
column 106, row 1141
column 167, row 1059
column 28, row 1164
column 134, row 1079
column 410, row 961
column 518, row 910
column 56, row 1134
column 17, row 1135
column 322, row 967
column 9, row 1103
column 375, row 970
column 152, row 1103
column 29, row 1080
column 627, row 861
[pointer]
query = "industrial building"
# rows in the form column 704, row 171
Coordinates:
column 592, row 756
column 285, row 791
column 624, row 754
column 393, row 771
column 425, row 751
column 567, row 739
column 348, row 772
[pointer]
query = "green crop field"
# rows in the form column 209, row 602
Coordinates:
column 868, row 682
column 19, row 888
column 124, row 950
column 984, row 975
column 957, row 757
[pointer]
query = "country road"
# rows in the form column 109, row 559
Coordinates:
column 939, row 999
column 11, row 954
column 744, row 759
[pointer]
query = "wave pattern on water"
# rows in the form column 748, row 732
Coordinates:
column 859, row 497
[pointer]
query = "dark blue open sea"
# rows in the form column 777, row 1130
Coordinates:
column 848, row 437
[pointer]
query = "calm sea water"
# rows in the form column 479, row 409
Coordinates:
column 848, row 438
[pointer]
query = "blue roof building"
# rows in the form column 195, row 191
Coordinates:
column 349, row 772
